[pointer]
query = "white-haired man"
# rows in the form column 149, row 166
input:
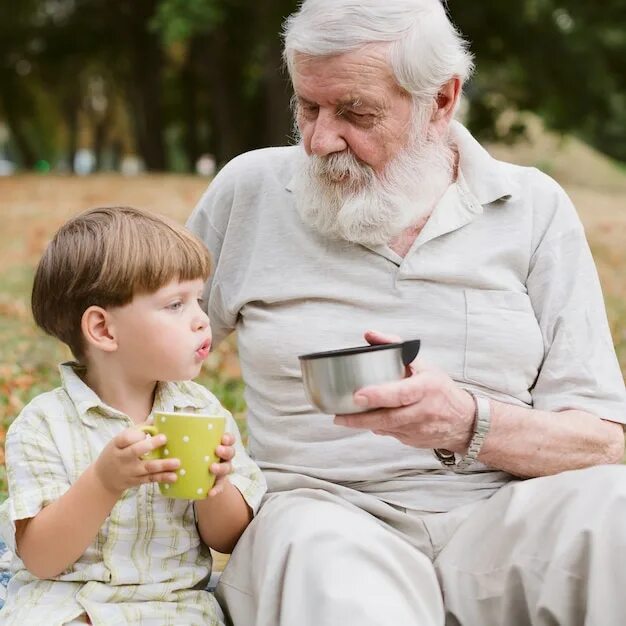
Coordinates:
column 390, row 216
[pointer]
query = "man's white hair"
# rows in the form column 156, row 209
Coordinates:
column 426, row 50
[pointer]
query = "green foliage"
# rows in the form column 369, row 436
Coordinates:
column 562, row 59
column 211, row 70
column 179, row 20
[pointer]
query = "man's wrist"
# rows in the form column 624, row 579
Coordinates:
column 469, row 421
column 481, row 424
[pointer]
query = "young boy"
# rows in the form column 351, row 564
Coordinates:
column 95, row 541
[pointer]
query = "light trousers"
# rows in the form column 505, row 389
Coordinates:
column 544, row 551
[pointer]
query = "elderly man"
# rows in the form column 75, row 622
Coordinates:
column 481, row 489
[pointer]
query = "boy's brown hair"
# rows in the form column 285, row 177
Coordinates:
column 104, row 257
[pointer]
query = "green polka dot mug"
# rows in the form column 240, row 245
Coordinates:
column 192, row 439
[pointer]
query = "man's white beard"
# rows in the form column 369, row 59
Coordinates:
column 343, row 198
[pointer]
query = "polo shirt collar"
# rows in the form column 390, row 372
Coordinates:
column 485, row 177
column 168, row 397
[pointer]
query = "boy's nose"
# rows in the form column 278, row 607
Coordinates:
column 200, row 321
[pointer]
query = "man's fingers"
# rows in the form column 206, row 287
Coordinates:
column 395, row 394
column 387, row 420
column 375, row 338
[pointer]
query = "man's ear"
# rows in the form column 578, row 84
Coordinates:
column 446, row 101
column 98, row 330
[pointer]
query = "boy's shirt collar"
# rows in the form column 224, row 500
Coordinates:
column 169, row 396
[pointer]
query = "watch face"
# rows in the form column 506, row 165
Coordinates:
column 445, row 456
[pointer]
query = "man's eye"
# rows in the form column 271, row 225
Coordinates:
column 362, row 119
column 358, row 115
column 309, row 109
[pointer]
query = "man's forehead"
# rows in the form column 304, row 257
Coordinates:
column 358, row 78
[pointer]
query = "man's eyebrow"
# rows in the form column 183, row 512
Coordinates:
column 303, row 100
column 351, row 103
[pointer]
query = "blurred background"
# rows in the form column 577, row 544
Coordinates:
column 140, row 101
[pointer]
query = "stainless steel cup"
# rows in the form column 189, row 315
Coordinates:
column 331, row 378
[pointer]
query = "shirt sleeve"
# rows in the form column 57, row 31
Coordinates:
column 35, row 472
column 246, row 475
column 580, row 368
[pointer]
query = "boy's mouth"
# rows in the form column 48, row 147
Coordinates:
column 203, row 351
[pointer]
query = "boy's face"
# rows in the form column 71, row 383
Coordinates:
column 163, row 335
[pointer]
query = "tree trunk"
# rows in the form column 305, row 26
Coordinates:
column 189, row 82
column 10, row 101
column 145, row 80
column 70, row 107
column 229, row 119
column 278, row 126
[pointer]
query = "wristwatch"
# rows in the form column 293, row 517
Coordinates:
column 482, row 423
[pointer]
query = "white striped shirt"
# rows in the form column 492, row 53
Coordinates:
column 147, row 564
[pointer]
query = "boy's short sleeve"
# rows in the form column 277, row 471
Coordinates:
column 246, row 475
column 36, row 473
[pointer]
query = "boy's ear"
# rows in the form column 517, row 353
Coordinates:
column 97, row 330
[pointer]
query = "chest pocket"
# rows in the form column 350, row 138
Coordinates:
column 503, row 347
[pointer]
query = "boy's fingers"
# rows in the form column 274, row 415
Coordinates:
column 147, row 444
column 155, row 466
column 228, row 439
column 217, row 489
column 221, row 469
column 225, row 453
column 164, row 477
column 128, row 437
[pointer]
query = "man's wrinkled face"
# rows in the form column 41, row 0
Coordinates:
column 351, row 102
column 373, row 165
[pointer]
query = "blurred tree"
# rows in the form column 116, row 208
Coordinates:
column 17, row 100
column 562, row 59
column 234, row 48
column 196, row 76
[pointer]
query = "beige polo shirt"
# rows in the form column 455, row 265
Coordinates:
column 500, row 286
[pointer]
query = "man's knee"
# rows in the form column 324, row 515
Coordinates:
column 598, row 491
column 310, row 519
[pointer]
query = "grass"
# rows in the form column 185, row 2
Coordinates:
column 34, row 206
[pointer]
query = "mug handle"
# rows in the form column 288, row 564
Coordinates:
column 151, row 430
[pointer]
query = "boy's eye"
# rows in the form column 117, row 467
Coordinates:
column 174, row 306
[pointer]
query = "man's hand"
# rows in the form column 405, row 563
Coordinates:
column 226, row 452
column 120, row 465
column 425, row 410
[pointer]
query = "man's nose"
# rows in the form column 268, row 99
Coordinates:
column 327, row 136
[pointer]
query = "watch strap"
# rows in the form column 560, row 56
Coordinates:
column 482, row 424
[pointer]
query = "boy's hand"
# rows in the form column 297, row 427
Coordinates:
column 120, row 465
column 225, row 451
